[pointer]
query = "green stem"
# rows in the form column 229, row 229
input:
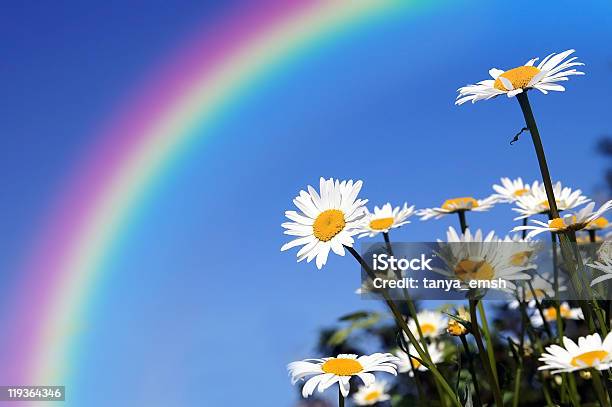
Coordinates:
column 517, row 387
column 539, row 148
column 557, row 303
column 567, row 379
column 472, row 370
column 388, row 243
column 340, row 397
column 417, row 381
column 572, row 390
column 599, row 313
column 549, row 402
column 601, row 394
column 486, row 363
column 535, row 340
column 541, row 311
column 462, row 221
column 413, row 314
column 401, row 322
column 488, row 340
column 411, row 308
column 554, row 212
column 568, row 382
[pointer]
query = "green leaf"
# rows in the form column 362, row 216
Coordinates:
column 338, row 337
column 355, row 316
column 359, row 320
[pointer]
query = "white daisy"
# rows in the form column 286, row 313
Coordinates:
column 590, row 352
column 535, row 202
column 410, row 359
column 474, row 257
column 525, row 250
column 510, row 190
column 600, row 223
column 604, row 262
column 372, row 394
column 328, row 220
column 569, row 222
column 327, row 371
column 543, row 77
column 456, row 205
column 432, row 324
column 550, row 314
column 543, row 288
column 385, row 218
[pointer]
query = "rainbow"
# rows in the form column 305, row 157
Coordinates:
column 151, row 129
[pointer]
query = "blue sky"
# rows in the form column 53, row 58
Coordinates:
column 197, row 299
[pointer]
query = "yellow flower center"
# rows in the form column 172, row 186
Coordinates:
column 428, row 328
column 520, row 192
column 415, row 363
column 520, row 258
column 328, row 224
column 518, row 77
column 465, row 202
column 546, row 205
column 342, row 367
column 557, row 223
column 381, row 224
column 599, row 223
column 589, row 358
column 372, row 396
column 467, row 270
column 550, row 313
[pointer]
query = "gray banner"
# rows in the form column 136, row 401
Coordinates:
column 487, row 270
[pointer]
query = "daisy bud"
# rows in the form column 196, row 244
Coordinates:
column 456, row 328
